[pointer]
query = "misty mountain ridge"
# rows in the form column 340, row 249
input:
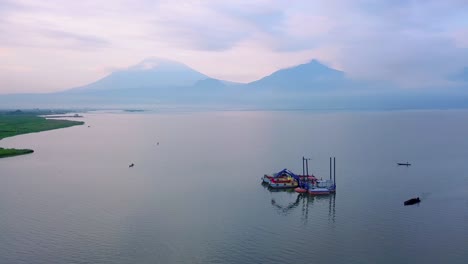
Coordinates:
column 305, row 86
column 162, row 73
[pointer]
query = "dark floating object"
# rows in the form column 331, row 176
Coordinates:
column 89, row 126
column 157, row 144
column 131, row 165
column 412, row 201
column 404, row 164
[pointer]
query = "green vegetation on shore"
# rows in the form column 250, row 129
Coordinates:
column 18, row 122
column 14, row 152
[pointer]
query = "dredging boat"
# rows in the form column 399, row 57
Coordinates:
column 302, row 183
column 319, row 187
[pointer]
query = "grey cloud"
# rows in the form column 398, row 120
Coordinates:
column 7, row 6
column 18, row 33
column 405, row 41
column 200, row 36
column 226, row 26
column 407, row 58
column 42, row 37
column 75, row 40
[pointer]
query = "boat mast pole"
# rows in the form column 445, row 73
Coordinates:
column 303, row 168
column 307, row 166
column 330, row 168
column 334, row 171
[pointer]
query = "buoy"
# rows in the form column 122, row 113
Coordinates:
column 131, row 165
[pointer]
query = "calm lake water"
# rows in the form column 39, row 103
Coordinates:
column 197, row 198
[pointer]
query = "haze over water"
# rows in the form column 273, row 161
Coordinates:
column 197, row 198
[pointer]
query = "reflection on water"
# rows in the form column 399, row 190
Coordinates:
column 306, row 203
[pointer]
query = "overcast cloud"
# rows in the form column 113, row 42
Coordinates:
column 53, row 45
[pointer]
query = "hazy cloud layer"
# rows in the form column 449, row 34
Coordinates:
column 52, row 45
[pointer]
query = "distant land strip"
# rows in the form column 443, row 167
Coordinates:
column 19, row 122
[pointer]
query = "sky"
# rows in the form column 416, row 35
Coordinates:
column 53, row 45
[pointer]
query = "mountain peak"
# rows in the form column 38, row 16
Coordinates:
column 308, row 75
column 315, row 61
column 314, row 65
column 161, row 64
column 149, row 73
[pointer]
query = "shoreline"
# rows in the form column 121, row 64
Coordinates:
column 19, row 124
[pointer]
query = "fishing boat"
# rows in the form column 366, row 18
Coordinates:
column 404, row 164
column 412, row 201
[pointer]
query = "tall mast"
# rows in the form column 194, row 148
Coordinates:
column 334, row 171
column 303, row 165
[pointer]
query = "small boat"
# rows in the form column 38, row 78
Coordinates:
column 412, row 201
column 131, row 165
column 404, row 164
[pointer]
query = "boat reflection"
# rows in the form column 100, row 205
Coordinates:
column 307, row 203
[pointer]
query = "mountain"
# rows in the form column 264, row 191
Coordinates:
column 312, row 76
column 152, row 81
column 307, row 86
column 150, row 73
column 209, row 83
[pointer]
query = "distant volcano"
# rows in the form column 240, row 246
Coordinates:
column 310, row 76
column 150, row 73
